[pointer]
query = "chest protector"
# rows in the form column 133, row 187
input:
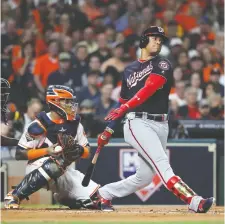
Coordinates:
column 51, row 129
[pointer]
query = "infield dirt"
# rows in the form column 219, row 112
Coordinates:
column 134, row 214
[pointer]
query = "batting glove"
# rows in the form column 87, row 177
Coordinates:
column 117, row 113
column 104, row 137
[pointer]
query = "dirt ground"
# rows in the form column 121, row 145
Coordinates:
column 122, row 213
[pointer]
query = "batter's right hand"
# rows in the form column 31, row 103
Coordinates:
column 104, row 137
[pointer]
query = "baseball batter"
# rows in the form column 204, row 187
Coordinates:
column 144, row 100
column 46, row 166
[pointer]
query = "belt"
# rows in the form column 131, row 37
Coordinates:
column 144, row 115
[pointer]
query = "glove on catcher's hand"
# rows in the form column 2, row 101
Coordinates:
column 71, row 149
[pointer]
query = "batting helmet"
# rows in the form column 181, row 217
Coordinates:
column 152, row 31
column 61, row 100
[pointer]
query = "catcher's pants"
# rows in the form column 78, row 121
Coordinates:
column 69, row 184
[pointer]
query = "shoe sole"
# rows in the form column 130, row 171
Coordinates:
column 12, row 207
column 108, row 210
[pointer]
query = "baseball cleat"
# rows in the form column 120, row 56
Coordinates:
column 10, row 202
column 101, row 203
column 205, row 205
column 106, row 205
column 73, row 203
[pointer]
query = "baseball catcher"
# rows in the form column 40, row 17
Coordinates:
column 51, row 143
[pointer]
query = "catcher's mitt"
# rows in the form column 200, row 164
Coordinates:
column 71, row 149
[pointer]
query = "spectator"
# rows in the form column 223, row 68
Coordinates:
column 89, row 40
column 116, row 60
column 196, row 83
column 216, row 106
column 94, row 63
column 65, row 75
column 113, row 18
column 103, row 51
column 190, row 111
column 34, row 107
column 175, row 48
column 10, row 38
column 183, row 62
column 196, row 63
column 203, row 33
column 98, row 25
column 174, row 29
column 52, row 17
column 47, row 33
column 81, row 65
column 130, row 35
column 177, row 130
column 104, row 103
column 67, row 46
column 110, row 33
column 210, row 89
column 204, row 110
column 111, row 76
column 5, row 15
column 22, row 80
column 215, row 78
column 90, row 10
column 178, row 74
column 76, row 37
column 207, row 55
column 23, row 65
column 91, row 90
column 65, row 25
column 44, row 66
column 174, row 107
column 92, row 126
column 179, row 95
column 78, row 18
column 147, row 15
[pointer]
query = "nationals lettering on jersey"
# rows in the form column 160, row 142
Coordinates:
column 134, row 79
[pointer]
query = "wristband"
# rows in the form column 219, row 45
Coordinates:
column 108, row 129
column 86, row 153
column 36, row 153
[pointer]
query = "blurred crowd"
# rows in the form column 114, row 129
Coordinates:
column 86, row 44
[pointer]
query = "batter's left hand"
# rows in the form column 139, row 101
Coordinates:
column 117, row 113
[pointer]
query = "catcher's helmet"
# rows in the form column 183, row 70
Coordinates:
column 61, row 99
column 5, row 90
column 152, row 31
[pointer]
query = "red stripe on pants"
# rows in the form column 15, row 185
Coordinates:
column 146, row 153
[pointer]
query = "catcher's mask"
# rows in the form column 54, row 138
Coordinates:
column 5, row 90
column 61, row 99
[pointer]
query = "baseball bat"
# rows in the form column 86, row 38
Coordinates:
column 91, row 168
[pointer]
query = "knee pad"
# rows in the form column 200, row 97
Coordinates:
column 51, row 169
column 37, row 179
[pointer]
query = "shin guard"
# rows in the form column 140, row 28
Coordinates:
column 180, row 189
column 37, row 179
